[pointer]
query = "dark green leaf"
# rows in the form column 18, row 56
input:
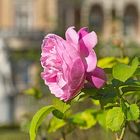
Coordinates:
column 108, row 70
column 124, row 107
column 130, row 88
column 116, row 83
column 58, row 114
column 106, row 95
column 89, row 91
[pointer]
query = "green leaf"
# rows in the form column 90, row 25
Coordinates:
column 58, row 114
column 106, row 62
column 106, row 95
column 79, row 98
column 133, row 82
column 101, row 118
column 109, row 62
column 89, row 91
column 84, row 119
column 124, row 60
column 137, row 72
column 108, row 70
column 95, row 102
column 37, row 120
column 133, row 112
column 55, row 124
column 115, row 119
column 117, row 83
column 123, row 72
column 130, row 88
column 124, row 106
column 60, row 105
column 77, row 120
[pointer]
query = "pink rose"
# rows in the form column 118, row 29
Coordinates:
column 68, row 63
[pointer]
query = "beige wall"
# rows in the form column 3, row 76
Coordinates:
column 39, row 14
column 44, row 14
column 6, row 14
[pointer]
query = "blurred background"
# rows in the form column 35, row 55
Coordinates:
column 24, row 23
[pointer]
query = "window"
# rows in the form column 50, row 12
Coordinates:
column 23, row 14
column 77, row 17
column 21, row 71
column 130, row 20
column 96, row 18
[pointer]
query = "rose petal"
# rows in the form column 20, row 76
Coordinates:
column 97, row 77
column 91, row 61
column 71, row 35
column 98, row 82
column 77, row 73
column 82, row 32
column 76, row 77
column 89, row 40
column 55, row 89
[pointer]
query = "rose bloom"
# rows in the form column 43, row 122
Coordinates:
column 69, row 63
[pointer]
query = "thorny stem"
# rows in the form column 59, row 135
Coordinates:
column 121, row 136
column 122, row 52
column 123, row 130
column 122, row 133
column 63, row 135
column 116, row 136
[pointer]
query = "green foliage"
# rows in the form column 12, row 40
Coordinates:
column 112, row 107
column 133, row 112
column 123, row 72
column 130, row 89
column 115, row 119
column 101, row 118
column 42, row 114
column 137, row 72
column 107, row 95
column 37, row 120
column 60, row 105
column 58, row 114
column 109, row 62
column 83, row 119
column 55, row 124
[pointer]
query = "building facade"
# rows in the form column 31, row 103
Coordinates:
column 23, row 24
column 106, row 17
column 31, row 18
column 111, row 17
